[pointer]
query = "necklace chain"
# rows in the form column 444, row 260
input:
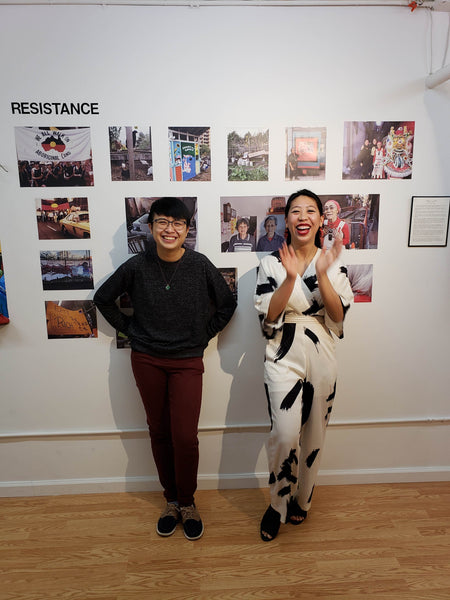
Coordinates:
column 167, row 286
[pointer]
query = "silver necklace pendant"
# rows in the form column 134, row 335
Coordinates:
column 167, row 287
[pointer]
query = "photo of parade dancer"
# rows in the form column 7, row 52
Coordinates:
column 333, row 226
column 378, row 149
column 351, row 217
column 54, row 156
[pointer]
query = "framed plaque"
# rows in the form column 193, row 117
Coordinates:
column 428, row 225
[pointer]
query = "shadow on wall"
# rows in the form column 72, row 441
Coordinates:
column 241, row 357
column 126, row 404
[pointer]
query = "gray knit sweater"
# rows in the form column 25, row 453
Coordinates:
column 178, row 322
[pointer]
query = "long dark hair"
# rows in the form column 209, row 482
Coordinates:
column 317, row 200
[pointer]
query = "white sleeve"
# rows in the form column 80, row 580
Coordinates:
column 338, row 277
column 268, row 280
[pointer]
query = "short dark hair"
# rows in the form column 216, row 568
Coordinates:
column 317, row 200
column 170, row 207
column 242, row 220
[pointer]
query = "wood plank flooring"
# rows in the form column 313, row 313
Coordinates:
column 360, row 542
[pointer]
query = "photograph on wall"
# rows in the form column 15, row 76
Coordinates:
column 54, row 156
column 4, row 314
column 124, row 303
column 189, row 154
column 62, row 218
column 361, row 279
column 71, row 319
column 252, row 223
column 130, row 153
column 378, row 149
column 66, row 270
column 230, row 276
column 248, row 155
column 305, row 153
column 138, row 232
column 352, row 216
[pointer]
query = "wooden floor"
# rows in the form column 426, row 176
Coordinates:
column 389, row 542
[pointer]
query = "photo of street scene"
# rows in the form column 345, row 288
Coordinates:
column 71, row 319
column 252, row 223
column 305, row 153
column 130, row 152
column 62, row 218
column 361, row 281
column 354, row 217
column 4, row 314
column 248, row 155
column 378, row 149
column 66, row 270
column 189, row 153
column 138, row 231
column 54, row 156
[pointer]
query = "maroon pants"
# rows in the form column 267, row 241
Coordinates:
column 171, row 390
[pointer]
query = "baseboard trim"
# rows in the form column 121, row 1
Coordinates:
column 10, row 489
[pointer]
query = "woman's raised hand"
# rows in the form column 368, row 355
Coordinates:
column 328, row 256
column 289, row 260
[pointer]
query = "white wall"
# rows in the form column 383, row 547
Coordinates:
column 71, row 418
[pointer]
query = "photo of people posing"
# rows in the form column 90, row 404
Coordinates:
column 252, row 223
column 54, row 156
column 248, row 155
column 130, row 153
column 71, row 319
column 353, row 217
column 189, row 154
column 138, row 231
column 67, row 270
column 257, row 223
column 305, row 153
column 378, row 149
column 61, row 218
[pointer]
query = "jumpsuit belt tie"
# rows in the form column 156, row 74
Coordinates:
column 305, row 320
column 296, row 318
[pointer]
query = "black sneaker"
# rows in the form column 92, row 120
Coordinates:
column 192, row 523
column 168, row 520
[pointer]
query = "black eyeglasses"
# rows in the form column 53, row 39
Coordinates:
column 164, row 223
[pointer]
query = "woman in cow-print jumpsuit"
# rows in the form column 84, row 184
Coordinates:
column 302, row 296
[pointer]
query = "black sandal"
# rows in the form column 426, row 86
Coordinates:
column 270, row 524
column 294, row 510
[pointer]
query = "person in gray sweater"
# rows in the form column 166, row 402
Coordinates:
column 180, row 301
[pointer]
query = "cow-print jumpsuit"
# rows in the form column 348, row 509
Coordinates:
column 299, row 377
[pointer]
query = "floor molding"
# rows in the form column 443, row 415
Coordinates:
column 9, row 489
